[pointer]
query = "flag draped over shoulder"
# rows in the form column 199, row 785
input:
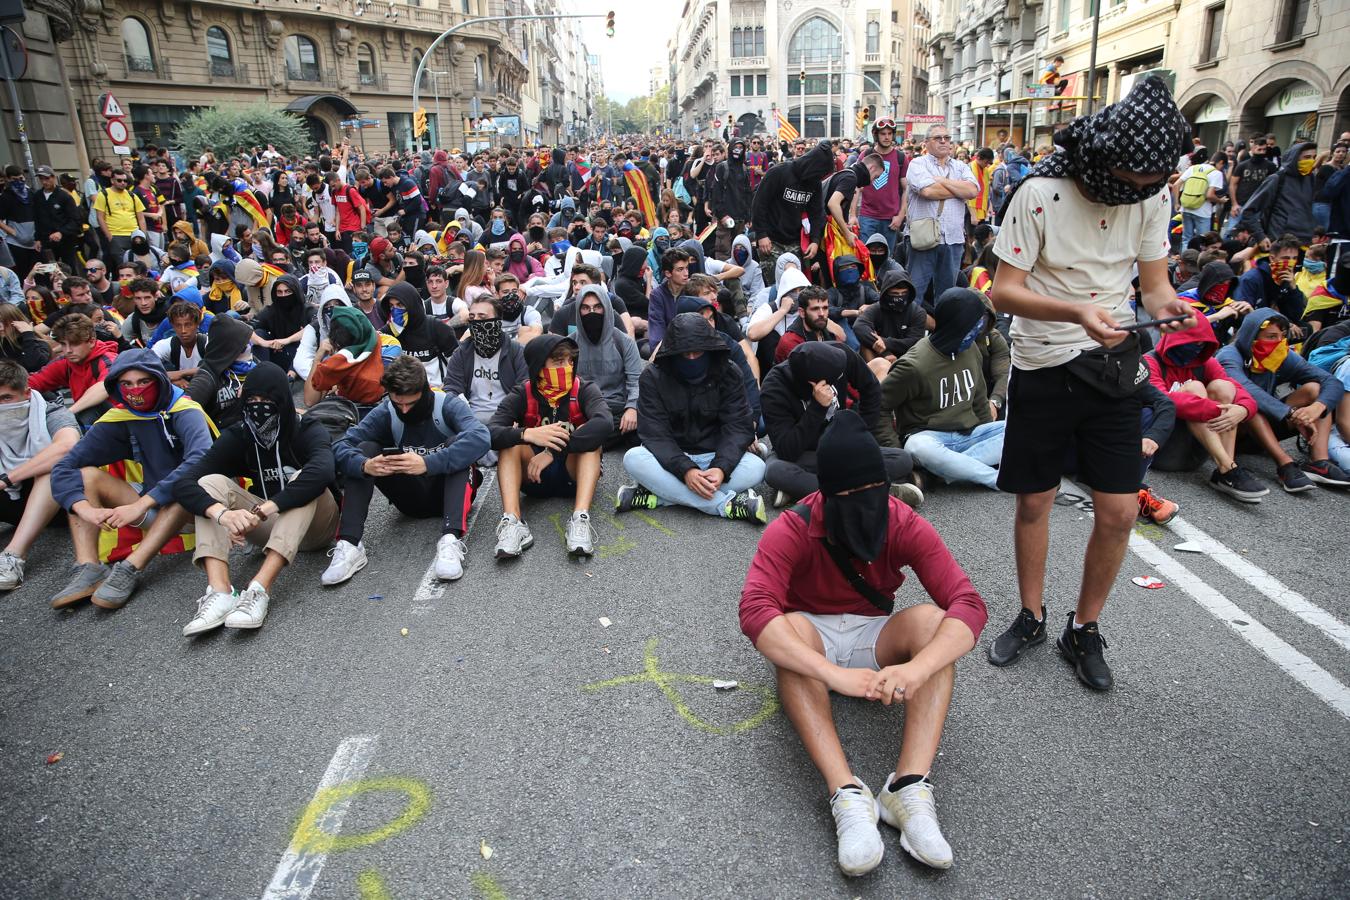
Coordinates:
column 637, row 186
column 249, row 203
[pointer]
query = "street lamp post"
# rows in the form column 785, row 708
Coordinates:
column 436, row 92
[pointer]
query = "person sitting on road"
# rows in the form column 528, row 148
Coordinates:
column 316, row 330
column 801, row 396
column 351, row 360
column 564, row 321
column 846, row 296
column 166, row 432
column 818, row 603
column 888, row 328
column 813, row 323
column 487, row 366
column 427, row 340
column 1260, row 360
column 549, row 433
column 694, row 425
column 1329, row 350
column 417, row 447
column 1212, row 297
column 34, row 434
column 706, row 288
column 737, row 351
column 1208, row 401
column 521, row 323
column 608, row 358
column 81, row 368
column 677, row 265
column 934, row 400
column 778, row 312
column 1270, row 284
column 291, row 505
column 150, row 306
column 181, row 352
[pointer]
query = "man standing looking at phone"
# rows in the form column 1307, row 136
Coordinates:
column 1075, row 371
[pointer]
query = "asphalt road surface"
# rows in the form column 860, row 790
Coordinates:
column 510, row 745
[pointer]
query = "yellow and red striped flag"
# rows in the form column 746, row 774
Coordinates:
column 786, row 132
column 637, row 186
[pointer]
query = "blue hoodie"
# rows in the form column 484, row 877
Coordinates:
column 443, row 453
column 166, row 444
column 187, row 295
column 1295, row 370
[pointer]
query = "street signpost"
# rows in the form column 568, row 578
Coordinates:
column 114, row 124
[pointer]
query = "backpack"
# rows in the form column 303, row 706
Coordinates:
column 437, row 418
column 445, row 194
column 1196, row 188
column 575, row 414
column 176, row 351
column 336, row 414
column 681, row 193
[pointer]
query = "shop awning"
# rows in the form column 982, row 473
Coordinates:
column 302, row 105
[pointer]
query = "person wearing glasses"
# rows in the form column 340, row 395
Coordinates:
column 939, row 187
column 120, row 213
column 105, row 289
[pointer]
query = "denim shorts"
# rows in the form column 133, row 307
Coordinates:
column 850, row 641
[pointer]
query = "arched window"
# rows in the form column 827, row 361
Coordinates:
column 737, row 42
column 302, row 58
column 815, row 42
column 218, row 51
column 873, row 37
column 758, row 49
column 426, row 73
column 479, row 72
column 365, row 64
column 136, row 46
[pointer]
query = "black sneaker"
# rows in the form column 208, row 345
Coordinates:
column 1292, row 478
column 1238, row 482
column 1024, row 632
column 1082, row 649
column 1324, row 471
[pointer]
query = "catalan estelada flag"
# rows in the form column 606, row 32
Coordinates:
column 637, row 186
column 786, row 132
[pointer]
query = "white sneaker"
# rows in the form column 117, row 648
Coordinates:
column 450, row 552
column 580, row 536
column 513, row 537
column 855, row 824
column 11, row 571
column 912, row 810
column 348, row 559
column 781, row 500
column 250, row 610
column 212, row 608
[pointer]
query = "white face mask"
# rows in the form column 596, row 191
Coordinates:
column 12, row 413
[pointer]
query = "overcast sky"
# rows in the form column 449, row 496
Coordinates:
column 639, row 42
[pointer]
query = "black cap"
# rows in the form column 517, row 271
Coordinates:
column 362, row 277
column 45, row 172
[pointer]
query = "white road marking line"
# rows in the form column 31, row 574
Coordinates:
column 431, row 587
column 299, row 869
column 1295, row 664
column 1266, row 583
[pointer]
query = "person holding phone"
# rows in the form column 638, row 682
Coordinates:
column 1071, row 233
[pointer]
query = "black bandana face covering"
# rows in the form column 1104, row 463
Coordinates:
column 858, row 521
column 263, row 418
column 486, row 335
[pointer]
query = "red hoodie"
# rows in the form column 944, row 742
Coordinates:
column 1168, row 377
column 59, row 373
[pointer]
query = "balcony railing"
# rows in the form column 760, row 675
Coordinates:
column 748, row 62
column 372, row 81
column 142, row 67
column 871, row 57
column 220, row 71
column 307, row 76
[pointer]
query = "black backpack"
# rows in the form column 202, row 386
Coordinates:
column 336, row 414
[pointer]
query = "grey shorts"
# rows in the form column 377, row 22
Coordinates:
column 850, row 641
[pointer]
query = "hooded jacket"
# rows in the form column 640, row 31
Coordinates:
column 508, row 423
column 752, row 282
column 888, row 265
column 511, row 369
column 721, row 322
column 316, row 331
column 528, row 267
column 59, row 373
column 1283, row 202
column 612, row 363
column 427, row 340
column 167, row 440
column 899, row 329
column 676, row 418
column 283, row 318
column 1259, row 288
column 1168, row 375
column 729, row 187
column 354, row 371
column 936, row 386
column 218, row 384
column 292, row 473
column 792, row 190
column 629, row 284
column 793, row 418
column 1210, row 277
column 443, row 453
column 1295, row 371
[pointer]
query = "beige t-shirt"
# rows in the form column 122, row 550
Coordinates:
column 1079, row 251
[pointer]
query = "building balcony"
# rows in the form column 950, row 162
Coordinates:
column 142, row 68
column 872, row 58
column 306, row 78
column 748, row 62
column 372, row 82
column 219, row 71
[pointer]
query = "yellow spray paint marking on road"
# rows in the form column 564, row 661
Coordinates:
column 371, row 886
column 486, row 885
column 1149, row 531
column 663, row 681
column 310, row 837
column 621, row 545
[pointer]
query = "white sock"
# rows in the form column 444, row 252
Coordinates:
column 1077, row 625
column 253, row 585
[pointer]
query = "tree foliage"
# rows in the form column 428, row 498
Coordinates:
column 640, row 115
column 237, row 127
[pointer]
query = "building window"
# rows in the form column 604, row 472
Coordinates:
column 1213, row 33
column 737, row 43
column 1295, row 19
column 1064, row 14
column 762, row 85
column 747, row 41
column 479, row 72
column 153, row 124
column 136, row 46
column 464, row 6
column 873, row 36
column 218, row 51
column 815, row 85
column 302, row 58
column 872, row 81
column 365, row 64
column 815, row 43
column 735, row 85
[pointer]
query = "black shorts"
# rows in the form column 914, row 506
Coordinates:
column 554, row 481
column 1050, row 410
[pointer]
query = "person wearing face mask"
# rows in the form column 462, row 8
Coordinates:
column 427, row 340
column 1075, row 374
column 144, row 252
column 934, row 401
column 291, row 505
column 1261, row 362
column 694, row 425
column 1283, row 204
column 1329, row 304
column 316, row 278
column 1212, row 297
column 819, row 604
column 350, row 360
column 608, row 358
column 169, row 432
column 34, row 434
column 888, row 328
column 280, row 326
column 728, row 198
column 518, row 262
column 1270, row 283
column 742, row 257
column 418, row 449
column 846, row 296
column 1312, row 274
column 487, row 366
column 496, row 231
column 316, row 330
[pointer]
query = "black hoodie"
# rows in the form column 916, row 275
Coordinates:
column 711, row 416
column 729, row 187
column 629, row 284
column 793, row 418
column 900, row 327
column 292, row 473
column 555, row 176
column 427, row 340
column 508, row 422
column 283, row 318
column 791, row 190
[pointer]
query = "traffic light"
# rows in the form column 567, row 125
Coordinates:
column 420, row 121
column 609, row 24
column 864, row 115
column 802, row 75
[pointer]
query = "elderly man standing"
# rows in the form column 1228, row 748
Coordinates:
column 939, row 186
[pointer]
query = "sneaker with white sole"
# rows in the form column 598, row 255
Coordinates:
column 513, row 537
column 913, row 811
column 85, row 578
column 122, row 581
column 251, row 608
column 855, row 824
column 747, row 506
column 909, row 494
column 450, row 552
column 348, row 559
column 780, row 500
column 580, row 535
column 212, row 608
column 11, row 571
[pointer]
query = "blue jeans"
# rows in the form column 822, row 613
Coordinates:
column 1193, row 224
column 953, row 456
column 1322, row 214
column 850, row 338
column 672, row 491
column 938, row 267
column 868, row 226
column 1340, row 448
